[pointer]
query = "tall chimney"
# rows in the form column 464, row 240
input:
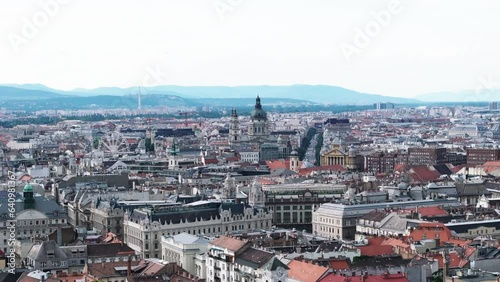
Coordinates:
column 59, row 235
column 129, row 266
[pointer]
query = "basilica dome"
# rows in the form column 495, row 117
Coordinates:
column 258, row 113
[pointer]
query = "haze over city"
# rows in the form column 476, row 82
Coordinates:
column 406, row 47
column 249, row 141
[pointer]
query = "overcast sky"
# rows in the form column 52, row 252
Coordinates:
column 397, row 48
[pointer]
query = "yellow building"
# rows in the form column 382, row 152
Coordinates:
column 336, row 152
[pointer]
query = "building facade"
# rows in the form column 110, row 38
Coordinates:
column 478, row 156
column 143, row 228
column 338, row 221
column 337, row 152
column 182, row 249
column 384, row 162
column 293, row 204
column 427, row 156
column 229, row 259
column 36, row 216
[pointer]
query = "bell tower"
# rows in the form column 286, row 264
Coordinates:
column 29, row 200
column 256, row 197
column 294, row 161
column 234, row 129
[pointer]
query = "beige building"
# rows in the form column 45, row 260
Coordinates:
column 336, row 152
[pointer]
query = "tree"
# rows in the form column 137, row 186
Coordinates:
column 95, row 143
column 319, row 144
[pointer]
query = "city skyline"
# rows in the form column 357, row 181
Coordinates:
column 381, row 47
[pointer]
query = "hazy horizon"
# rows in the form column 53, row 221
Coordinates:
column 392, row 48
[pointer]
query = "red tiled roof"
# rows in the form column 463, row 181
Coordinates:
column 375, row 241
column 431, row 230
column 423, row 173
column 25, row 178
column 432, row 211
column 279, row 164
column 339, row 264
column 233, row 159
column 395, row 243
column 457, row 168
column 401, row 167
column 100, row 270
column 491, row 166
column 211, row 161
column 305, row 272
column 454, row 261
column 469, row 251
column 132, row 140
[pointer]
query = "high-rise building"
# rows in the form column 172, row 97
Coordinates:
column 493, row 106
column 383, row 106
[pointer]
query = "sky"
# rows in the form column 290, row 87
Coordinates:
column 396, row 48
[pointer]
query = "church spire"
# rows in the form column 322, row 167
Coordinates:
column 257, row 103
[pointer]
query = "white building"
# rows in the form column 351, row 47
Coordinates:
column 143, row 228
column 249, row 156
column 182, row 249
column 338, row 221
column 39, row 172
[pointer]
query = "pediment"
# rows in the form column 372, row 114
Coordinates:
column 30, row 214
column 335, row 152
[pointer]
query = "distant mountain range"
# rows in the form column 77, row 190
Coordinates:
column 14, row 93
column 479, row 95
column 318, row 94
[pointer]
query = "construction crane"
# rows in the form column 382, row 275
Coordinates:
column 185, row 114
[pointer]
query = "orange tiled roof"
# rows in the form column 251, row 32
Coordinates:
column 305, row 272
column 338, row 264
column 395, row 243
column 229, row 243
column 431, row 230
column 491, row 166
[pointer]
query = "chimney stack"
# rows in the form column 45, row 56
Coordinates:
column 129, row 266
column 59, row 235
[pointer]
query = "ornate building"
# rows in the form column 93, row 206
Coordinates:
column 229, row 188
column 36, row 216
column 256, row 197
column 336, row 152
column 258, row 131
column 144, row 227
column 258, row 140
